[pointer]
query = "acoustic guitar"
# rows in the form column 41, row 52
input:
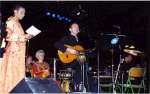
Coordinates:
column 67, row 57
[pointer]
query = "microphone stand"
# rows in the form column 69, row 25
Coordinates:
column 83, row 78
column 98, row 61
column 82, row 59
column 112, row 68
column 54, row 69
column 118, row 69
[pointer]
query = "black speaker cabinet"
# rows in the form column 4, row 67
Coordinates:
column 37, row 85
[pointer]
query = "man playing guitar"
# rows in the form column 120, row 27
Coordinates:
column 71, row 40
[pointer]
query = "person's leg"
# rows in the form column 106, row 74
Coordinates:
column 76, row 74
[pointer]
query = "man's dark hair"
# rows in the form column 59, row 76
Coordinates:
column 17, row 7
column 72, row 24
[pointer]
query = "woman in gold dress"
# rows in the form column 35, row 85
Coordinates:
column 12, row 69
column 40, row 69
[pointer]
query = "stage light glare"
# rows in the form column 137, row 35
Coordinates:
column 58, row 16
column 114, row 41
column 78, row 13
column 66, row 19
column 53, row 15
column 63, row 17
column 69, row 20
column 48, row 13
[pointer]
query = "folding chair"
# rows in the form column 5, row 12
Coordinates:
column 135, row 74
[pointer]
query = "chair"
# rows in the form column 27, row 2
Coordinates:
column 135, row 74
column 106, row 82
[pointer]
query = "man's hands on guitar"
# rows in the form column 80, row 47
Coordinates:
column 72, row 51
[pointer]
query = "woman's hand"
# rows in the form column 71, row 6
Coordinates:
column 46, row 71
column 28, row 36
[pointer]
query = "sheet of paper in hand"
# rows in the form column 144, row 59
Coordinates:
column 32, row 30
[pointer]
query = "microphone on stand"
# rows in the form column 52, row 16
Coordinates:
column 122, row 60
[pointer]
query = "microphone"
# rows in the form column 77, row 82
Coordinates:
column 122, row 60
